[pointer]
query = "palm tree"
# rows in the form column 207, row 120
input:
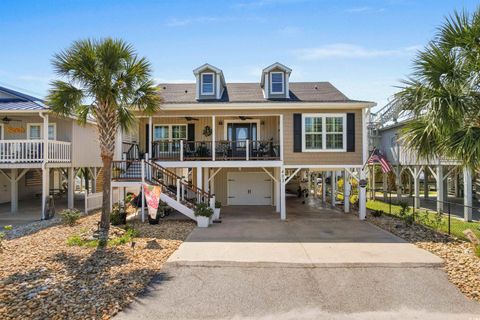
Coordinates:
column 443, row 93
column 104, row 79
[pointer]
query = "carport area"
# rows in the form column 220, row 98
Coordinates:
column 311, row 235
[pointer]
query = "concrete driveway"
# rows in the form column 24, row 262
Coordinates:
column 319, row 264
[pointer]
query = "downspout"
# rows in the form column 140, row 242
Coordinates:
column 45, row 161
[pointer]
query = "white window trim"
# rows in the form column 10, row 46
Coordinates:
column 283, row 83
column 170, row 130
column 226, row 122
column 324, row 116
column 2, row 131
column 41, row 130
column 213, row 84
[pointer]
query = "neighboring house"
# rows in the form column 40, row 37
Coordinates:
column 243, row 142
column 39, row 151
column 447, row 174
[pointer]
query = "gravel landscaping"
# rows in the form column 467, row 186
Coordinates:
column 461, row 264
column 42, row 277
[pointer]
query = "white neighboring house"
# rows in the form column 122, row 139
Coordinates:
column 38, row 150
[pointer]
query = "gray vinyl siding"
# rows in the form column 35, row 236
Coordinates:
column 85, row 146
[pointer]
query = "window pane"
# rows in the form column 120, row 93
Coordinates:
column 277, row 87
column 179, row 132
column 313, row 141
column 160, row 133
column 334, row 141
column 277, row 77
column 207, row 83
column 313, row 124
column 277, row 82
column 51, row 132
column 35, row 132
column 334, row 124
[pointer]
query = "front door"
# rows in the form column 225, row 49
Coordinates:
column 249, row 188
column 239, row 133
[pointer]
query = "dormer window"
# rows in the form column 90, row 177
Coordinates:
column 277, row 84
column 207, row 84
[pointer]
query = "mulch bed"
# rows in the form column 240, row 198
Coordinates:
column 41, row 277
column 461, row 264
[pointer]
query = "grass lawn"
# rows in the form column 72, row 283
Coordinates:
column 430, row 219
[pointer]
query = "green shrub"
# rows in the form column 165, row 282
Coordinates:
column 118, row 216
column 403, row 209
column 203, row 210
column 409, row 219
column 70, row 216
column 218, row 204
column 477, row 251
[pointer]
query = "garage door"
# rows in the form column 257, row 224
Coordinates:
column 249, row 188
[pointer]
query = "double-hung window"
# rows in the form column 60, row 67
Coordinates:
column 169, row 136
column 207, row 84
column 277, row 84
column 324, row 132
column 35, row 131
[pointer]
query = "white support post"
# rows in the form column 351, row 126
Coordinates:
column 333, row 182
column 346, row 191
column 206, row 177
column 213, row 137
column 247, row 149
column 467, row 195
column 45, row 189
column 416, row 186
column 14, row 190
column 94, row 182
column 178, row 190
column 143, row 191
column 362, row 198
column 45, row 138
column 150, row 133
column 71, row 187
column 283, row 205
column 199, row 179
column 276, row 172
column 324, row 187
column 440, row 192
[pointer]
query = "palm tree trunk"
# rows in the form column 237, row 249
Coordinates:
column 105, row 218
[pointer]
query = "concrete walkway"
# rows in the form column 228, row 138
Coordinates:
column 318, row 264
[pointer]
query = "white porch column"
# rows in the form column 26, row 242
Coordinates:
column 324, row 187
column 45, row 189
column 283, row 205
column 362, row 198
column 199, row 177
column 45, row 137
column 440, row 192
column 346, row 191
column 281, row 136
column 206, row 176
column 94, row 180
column 14, row 190
column 150, row 133
column 71, row 187
column 416, row 186
column 213, row 137
column 333, row 181
column 467, row 194
column 276, row 174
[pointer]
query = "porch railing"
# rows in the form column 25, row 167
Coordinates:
column 246, row 150
column 32, row 151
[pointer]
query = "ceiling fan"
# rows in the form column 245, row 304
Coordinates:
column 244, row 118
column 191, row 118
column 7, row 120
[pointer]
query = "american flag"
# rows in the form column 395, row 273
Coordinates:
column 377, row 157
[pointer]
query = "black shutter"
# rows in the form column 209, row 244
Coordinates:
column 350, row 132
column 297, row 132
column 191, row 132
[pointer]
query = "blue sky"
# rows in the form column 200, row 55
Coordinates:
column 363, row 47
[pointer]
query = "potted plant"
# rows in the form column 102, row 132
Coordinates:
column 216, row 211
column 203, row 213
column 118, row 215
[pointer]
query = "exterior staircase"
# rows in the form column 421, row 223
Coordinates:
column 177, row 193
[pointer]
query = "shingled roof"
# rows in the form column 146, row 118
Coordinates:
column 252, row 93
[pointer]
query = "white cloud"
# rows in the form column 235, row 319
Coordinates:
column 177, row 22
column 351, row 51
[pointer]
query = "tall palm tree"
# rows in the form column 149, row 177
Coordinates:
column 443, row 94
column 107, row 80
